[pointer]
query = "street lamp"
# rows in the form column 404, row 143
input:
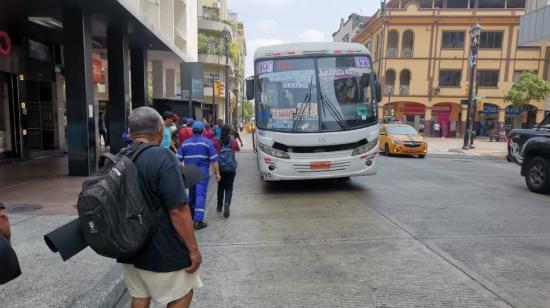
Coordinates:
column 226, row 39
column 475, row 32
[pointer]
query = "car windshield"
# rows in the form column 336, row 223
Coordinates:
column 308, row 95
column 402, row 130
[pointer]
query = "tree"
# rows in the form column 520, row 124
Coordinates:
column 248, row 109
column 529, row 87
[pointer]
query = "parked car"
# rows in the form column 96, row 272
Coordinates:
column 531, row 149
column 401, row 139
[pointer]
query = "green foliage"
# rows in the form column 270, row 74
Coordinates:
column 248, row 109
column 212, row 45
column 529, row 87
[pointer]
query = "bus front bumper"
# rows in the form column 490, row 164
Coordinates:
column 276, row 169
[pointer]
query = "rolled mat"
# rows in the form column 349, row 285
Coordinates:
column 68, row 240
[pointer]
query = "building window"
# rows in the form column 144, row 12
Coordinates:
column 515, row 4
column 487, row 79
column 458, row 4
column 453, row 39
column 492, row 4
column 490, row 40
column 449, row 78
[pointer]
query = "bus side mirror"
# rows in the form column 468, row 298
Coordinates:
column 250, row 89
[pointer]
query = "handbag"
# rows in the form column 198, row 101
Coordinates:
column 9, row 265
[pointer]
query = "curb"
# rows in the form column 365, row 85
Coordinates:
column 106, row 293
column 497, row 157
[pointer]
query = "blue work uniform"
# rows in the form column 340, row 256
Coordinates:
column 200, row 152
column 166, row 138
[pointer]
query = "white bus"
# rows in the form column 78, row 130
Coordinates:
column 316, row 111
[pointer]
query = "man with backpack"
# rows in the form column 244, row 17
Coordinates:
column 200, row 152
column 226, row 146
column 165, row 269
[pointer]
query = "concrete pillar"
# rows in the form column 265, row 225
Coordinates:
column 138, row 67
column 540, row 116
column 501, row 117
column 118, row 105
column 380, row 113
column 158, row 79
column 428, row 121
column 77, row 42
column 170, row 83
column 463, row 119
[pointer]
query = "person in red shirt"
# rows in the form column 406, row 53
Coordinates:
column 226, row 146
column 208, row 132
column 186, row 132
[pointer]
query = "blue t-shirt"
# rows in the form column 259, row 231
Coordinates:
column 198, row 151
column 217, row 131
column 166, row 138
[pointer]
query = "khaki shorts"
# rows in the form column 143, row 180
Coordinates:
column 163, row 288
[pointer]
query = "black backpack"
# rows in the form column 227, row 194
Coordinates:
column 116, row 220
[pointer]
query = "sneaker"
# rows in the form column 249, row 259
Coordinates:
column 219, row 208
column 226, row 211
column 197, row 225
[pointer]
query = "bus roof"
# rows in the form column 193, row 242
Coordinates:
column 299, row 49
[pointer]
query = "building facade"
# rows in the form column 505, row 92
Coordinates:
column 422, row 57
column 214, row 18
column 349, row 28
column 535, row 30
column 63, row 62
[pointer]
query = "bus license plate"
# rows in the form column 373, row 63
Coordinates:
column 320, row 165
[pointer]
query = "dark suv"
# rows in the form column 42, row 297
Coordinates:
column 531, row 149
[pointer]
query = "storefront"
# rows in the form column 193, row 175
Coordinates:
column 487, row 120
column 442, row 114
column 6, row 113
column 513, row 117
column 407, row 113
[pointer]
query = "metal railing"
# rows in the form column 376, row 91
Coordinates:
column 389, row 89
column 404, row 90
column 407, row 53
column 392, row 52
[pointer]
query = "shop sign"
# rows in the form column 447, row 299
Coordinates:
column 97, row 66
column 513, row 110
column 415, row 110
column 441, row 108
column 39, row 51
column 197, row 88
column 490, row 109
column 5, row 43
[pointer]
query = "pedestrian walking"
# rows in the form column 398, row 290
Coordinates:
column 185, row 132
column 235, row 134
column 218, row 128
column 165, row 270
column 437, row 129
column 208, row 132
column 102, row 128
column 167, row 143
column 226, row 146
column 199, row 151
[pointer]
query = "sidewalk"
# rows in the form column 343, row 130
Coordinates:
column 483, row 147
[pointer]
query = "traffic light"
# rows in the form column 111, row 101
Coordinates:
column 216, row 88
column 480, row 104
column 221, row 89
column 468, row 89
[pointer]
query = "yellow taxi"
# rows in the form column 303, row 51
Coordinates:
column 402, row 139
column 250, row 127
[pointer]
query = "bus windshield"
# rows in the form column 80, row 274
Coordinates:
column 308, row 95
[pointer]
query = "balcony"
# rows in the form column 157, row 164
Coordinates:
column 391, row 53
column 407, row 53
column 212, row 24
column 389, row 89
column 404, row 90
column 209, row 59
column 535, row 28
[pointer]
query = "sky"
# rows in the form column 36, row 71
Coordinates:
column 269, row 22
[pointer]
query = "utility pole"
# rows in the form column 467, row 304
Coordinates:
column 383, row 34
column 475, row 32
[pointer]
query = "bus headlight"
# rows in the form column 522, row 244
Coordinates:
column 273, row 152
column 365, row 147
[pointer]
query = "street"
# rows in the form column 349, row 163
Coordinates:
column 447, row 231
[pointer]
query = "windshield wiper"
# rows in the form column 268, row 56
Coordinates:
column 305, row 104
column 337, row 116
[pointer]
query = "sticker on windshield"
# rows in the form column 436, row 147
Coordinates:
column 296, row 85
column 362, row 112
column 340, row 72
column 280, row 123
column 264, row 67
column 283, row 113
column 307, row 112
column 362, row 62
